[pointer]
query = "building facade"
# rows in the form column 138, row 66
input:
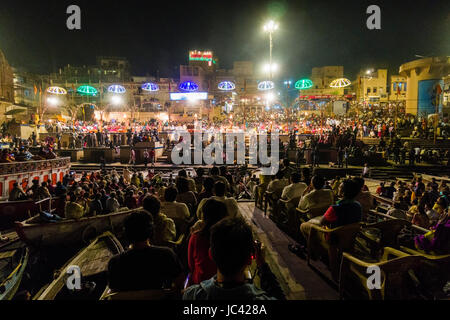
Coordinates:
column 6, row 80
column 372, row 87
column 424, row 82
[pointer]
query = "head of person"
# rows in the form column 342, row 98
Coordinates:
column 213, row 212
column 183, row 185
column 15, row 184
column 231, row 246
column 170, row 194
column 286, row 162
column 318, row 182
column 279, row 175
column 359, row 181
column 182, row 173
column 208, row 184
column 350, row 189
column 223, row 170
column 296, row 177
column 200, row 172
column 215, row 171
column 219, row 189
column 306, row 173
column 138, row 227
column 152, row 205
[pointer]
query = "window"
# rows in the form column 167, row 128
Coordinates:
column 394, row 87
column 374, row 90
column 368, row 90
column 404, row 86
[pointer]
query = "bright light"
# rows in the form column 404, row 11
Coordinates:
column 270, row 26
column 52, row 101
column 116, row 100
column 270, row 97
column 266, row 85
column 267, row 67
column 163, row 117
column 192, row 96
column 340, row 83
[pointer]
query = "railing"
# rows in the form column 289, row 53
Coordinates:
column 33, row 165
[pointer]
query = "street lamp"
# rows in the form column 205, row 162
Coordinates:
column 270, row 27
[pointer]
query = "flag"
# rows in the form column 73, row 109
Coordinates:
column 438, row 89
column 35, row 90
column 169, row 85
column 398, row 88
column 40, row 90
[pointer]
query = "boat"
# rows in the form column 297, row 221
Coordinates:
column 11, row 211
column 93, row 264
column 37, row 232
column 13, row 262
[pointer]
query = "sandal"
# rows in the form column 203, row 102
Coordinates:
column 298, row 250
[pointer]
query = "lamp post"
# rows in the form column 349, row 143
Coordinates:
column 270, row 27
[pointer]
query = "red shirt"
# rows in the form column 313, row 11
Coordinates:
column 200, row 264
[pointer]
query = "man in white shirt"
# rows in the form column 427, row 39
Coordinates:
column 278, row 184
column 173, row 209
column 317, row 198
column 295, row 189
column 219, row 194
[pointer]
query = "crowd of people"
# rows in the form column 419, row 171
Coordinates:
column 203, row 209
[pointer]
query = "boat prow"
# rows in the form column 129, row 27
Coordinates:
column 35, row 232
column 92, row 262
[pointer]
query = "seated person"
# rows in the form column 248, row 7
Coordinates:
column 164, row 228
column 219, row 194
column 191, row 182
column 318, row 197
column 185, row 195
column 397, row 212
column 95, row 205
column 278, row 183
column 295, row 189
column 173, row 209
column 364, row 198
column 420, row 218
column 346, row 211
column 381, row 189
column 215, row 174
column 111, row 203
column 200, row 263
column 232, row 249
column 74, row 210
column 144, row 266
column 438, row 239
column 207, row 191
column 16, row 193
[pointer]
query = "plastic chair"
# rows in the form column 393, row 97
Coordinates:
column 331, row 243
column 396, row 270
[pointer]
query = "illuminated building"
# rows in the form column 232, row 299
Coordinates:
column 6, row 80
column 371, row 87
column 424, row 79
column 398, row 88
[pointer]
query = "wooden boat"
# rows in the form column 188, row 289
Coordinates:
column 35, row 232
column 13, row 261
column 11, row 211
column 93, row 263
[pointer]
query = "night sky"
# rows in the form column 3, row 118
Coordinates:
column 156, row 35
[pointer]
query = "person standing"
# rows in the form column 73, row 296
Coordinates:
column 132, row 157
column 146, row 156
column 152, row 156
